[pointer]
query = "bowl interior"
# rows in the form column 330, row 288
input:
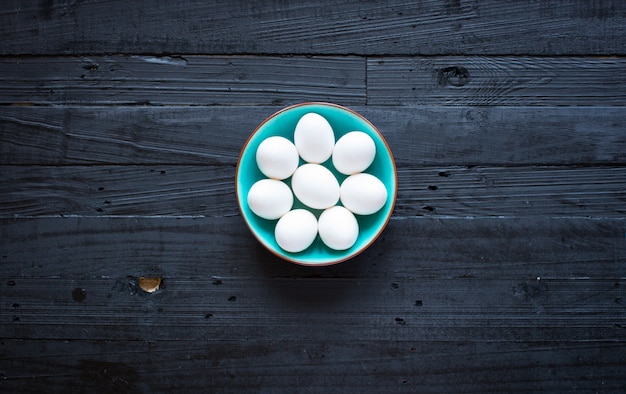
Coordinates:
column 283, row 124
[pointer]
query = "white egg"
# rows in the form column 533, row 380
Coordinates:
column 363, row 194
column 338, row 228
column 315, row 186
column 270, row 198
column 354, row 152
column 314, row 138
column 296, row 230
column 277, row 157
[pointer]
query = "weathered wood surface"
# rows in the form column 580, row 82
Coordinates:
column 191, row 80
column 358, row 364
column 514, row 310
column 316, row 27
column 483, row 81
column 418, row 135
column 348, row 80
column 501, row 269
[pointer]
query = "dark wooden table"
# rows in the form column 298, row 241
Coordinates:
column 502, row 269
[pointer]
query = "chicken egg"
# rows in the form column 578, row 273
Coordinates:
column 338, row 228
column 315, row 186
column 277, row 157
column 354, row 152
column 270, row 198
column 363, row 194
column 296, row 230
column 314, row 138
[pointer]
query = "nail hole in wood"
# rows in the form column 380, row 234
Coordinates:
column 149, row 285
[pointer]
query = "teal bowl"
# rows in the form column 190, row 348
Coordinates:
column 342, row 120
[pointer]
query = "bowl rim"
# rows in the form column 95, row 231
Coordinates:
column 382, row 227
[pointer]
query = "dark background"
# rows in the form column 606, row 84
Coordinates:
column 502, row 268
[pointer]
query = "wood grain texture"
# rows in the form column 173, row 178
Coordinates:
column 487, row 81
column 210, row 191
column 397, row 27
column 204, row 248
column 390, row 366
column 423, row 135
column 118, row 190
column 208, row 80
column 520, row 191
column 192, row 80
column 515, row 309
column 501, row 270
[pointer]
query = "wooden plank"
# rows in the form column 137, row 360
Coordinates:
column 207, row 80
column 114, row 248
column 359, row 365
column 195, row 80
column 118, row 190
column 520, row 191
column 210, row 191
column 396, row 27
column 424, row 135
column 488, row 81
column 515, row 309
column 126, row 135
